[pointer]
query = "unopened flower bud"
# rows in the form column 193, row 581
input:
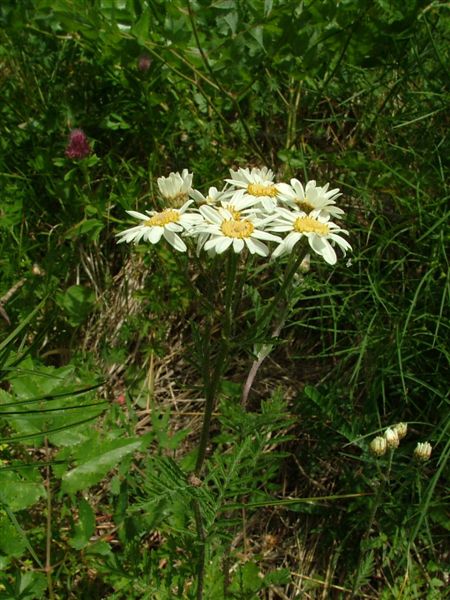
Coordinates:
column 378, row 446
column 423, row 451
column 391, row 437
column 36, row 270
column 305, row 265
column 401, row 429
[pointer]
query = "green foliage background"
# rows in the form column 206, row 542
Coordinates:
column 355, row 93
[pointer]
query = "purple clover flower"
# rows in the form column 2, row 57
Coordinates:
column 144, row 62
column 78, row 145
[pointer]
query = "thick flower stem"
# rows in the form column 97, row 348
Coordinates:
column 212, row 383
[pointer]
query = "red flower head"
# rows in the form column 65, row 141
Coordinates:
column 78, row 146
column 144, row 62
column 121, row 400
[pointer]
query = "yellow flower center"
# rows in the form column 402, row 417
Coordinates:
column 256, row 189
column 234, row 213
column 237, row 229
column 304, row 205
column 309, row 225
column 177, row 200
column 163, row 218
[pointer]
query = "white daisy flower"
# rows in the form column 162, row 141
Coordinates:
column 309, row 198
column 167, row 223
column 175, row 188
column 258, row 185
column 237, row 206
column 322, row 234
column 222, row 229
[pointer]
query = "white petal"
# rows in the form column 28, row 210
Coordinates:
column 185, row 206
column 264, row 235
column 222, row 244
column 210, row 243
column 238, row 245
column 268, row 203
column 285, row 188
column 298, row 188
column 211, row 214
column 173, row 227
column 291, row 240
column 155, row 234
column 279, row 250
column 175, row 241
column 257, row 247
column 324, row 248
column 340, row 241
column 138, row 215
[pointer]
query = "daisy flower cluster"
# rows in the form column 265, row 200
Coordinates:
column 252, row 212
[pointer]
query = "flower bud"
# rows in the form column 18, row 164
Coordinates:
column 305, row 265
column 378, row 446
column 391, row 437
column 401, row 429
column 423, row 451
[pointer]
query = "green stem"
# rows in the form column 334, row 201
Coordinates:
column 283, row 313
column 382, row 483
column 291, row 270
column 48, row 541
column 202, row 549
column 212, row 382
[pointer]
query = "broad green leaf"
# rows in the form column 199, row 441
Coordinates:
column 92, row 471
column 247, row 580
column 70, row 437
column 77, row 301
column 89, row 228
column 11, row 542
column 18, row 494
column 32, row 585
column 141, row 28
column 257, row 34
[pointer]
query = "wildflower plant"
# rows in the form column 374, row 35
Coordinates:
column 252, row 216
